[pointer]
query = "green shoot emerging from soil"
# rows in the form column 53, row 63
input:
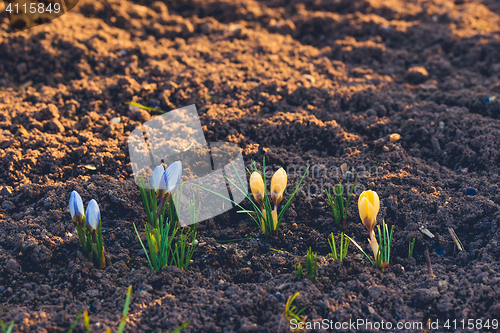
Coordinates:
column 86, row 319
column 410, row 248
column 162, row 225
column 339, row 209
column 299, row 272
column 264, row 208
column 291, row 311
column 88, row 228
column 6, row 329
column 344, row 244
column 312, row 265
column 384, row 250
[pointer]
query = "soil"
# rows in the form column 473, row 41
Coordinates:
column 314, row 82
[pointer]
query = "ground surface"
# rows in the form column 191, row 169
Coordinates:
column 319, row 82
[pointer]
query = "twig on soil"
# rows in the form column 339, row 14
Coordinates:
column 453, row 235
column 428, row 261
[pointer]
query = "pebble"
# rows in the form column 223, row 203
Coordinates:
column 6, row 191
column 470, row 191
column 92, row 292
column 12, row 266
column 7, row 205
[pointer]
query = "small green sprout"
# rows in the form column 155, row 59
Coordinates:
column 312, row 265
column 410, row 248
column 180, row 328
column 299, row 272
column 339, row 209
column 89, row 229
column 86, row 319
column 6, row 329
column 344, row 244
column 291, row 311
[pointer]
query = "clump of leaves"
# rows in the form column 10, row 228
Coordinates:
column 312, row 265
column 383, row 256
column 339, row 209
column 299, row 272
column 160, row 199
column 344, row 244
column 291, row 310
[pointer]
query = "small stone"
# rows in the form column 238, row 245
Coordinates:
column 385, row 148
column 145, row 287
column 12, row 266
column 92, row 292
column 55, row 125
column 6, row 191
column 417, row 75
column 139, row 115
column 116, row 120
column 7, row 205
column 371, row 310
column 470, row 192
column 395, row 137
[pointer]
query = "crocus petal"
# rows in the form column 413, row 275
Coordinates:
column 76, row 205
column 156, row 181
column 276, row 193
column 363, row 208
column 93, row 215
column 257, row 186
column 173, row 175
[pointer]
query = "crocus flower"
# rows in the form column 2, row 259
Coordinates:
column 369, row 205
column 76, row 207
column 257, row 187
column 172, row 176
column 278, row 184
column 157, row 181
column 93, row 215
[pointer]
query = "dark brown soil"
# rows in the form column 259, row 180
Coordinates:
column 315, row 82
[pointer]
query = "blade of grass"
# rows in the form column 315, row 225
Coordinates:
column 121, row 328
column 360, row 248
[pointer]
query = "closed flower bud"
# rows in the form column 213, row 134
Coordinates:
column 369, row 205
column 93, row 215
column 278, row 184
column 76, row 207
column 257, row 187
column 172, row 176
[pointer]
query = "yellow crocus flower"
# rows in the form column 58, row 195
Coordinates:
column 257, row 187
column 278, row 184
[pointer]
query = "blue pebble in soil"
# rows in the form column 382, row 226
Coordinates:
column 279, row 297
column 470, row 191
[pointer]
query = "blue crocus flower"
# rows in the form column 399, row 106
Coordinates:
column 157, row 181
column 76, row 206
column 173, row 175
column 93, row 215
